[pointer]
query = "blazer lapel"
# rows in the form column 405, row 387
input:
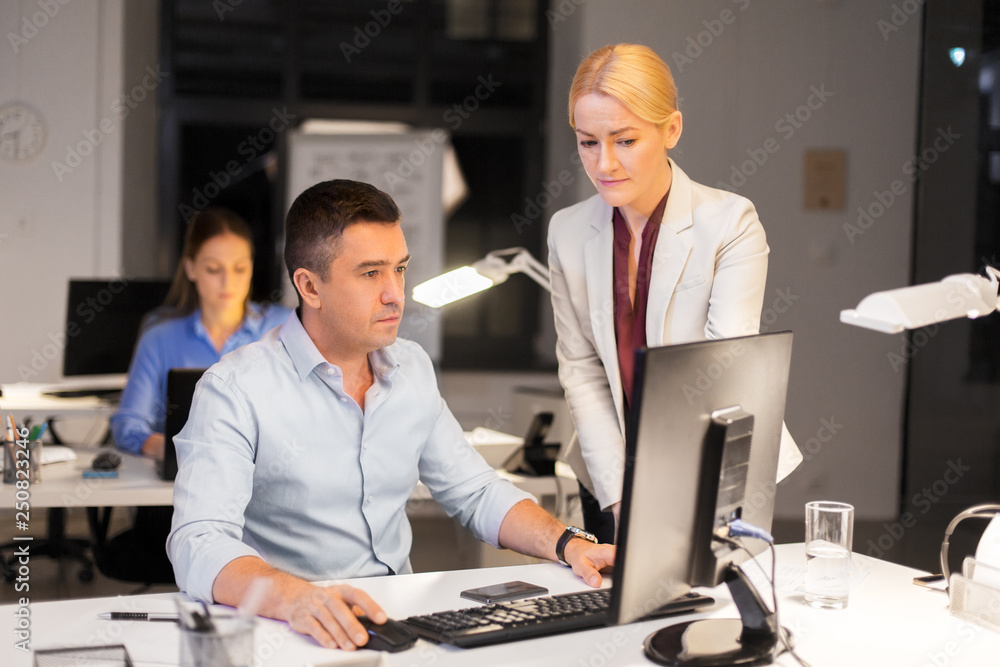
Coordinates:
column 599, row 256
column 670, row 255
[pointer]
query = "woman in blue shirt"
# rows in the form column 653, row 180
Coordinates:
column 207, row 313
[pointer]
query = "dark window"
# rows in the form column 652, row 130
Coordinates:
column 240, row 70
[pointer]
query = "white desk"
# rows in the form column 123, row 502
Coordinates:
column 889, row 621
column 43, row 408
column 63, row 485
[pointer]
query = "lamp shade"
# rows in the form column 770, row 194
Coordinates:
column 960, row 295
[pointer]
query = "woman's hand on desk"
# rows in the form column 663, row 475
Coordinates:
column 154, row 446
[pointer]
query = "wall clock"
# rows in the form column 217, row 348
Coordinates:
column 22, row 132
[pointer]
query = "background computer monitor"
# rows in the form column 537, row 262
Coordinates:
column 685, row 478
column 102, row 322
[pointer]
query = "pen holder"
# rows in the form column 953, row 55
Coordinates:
column 229, row 643
column 17, row 458
column 35, row 461
column 975, row 595
column 9, row 462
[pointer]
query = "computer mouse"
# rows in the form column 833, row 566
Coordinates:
column 391, row 636
column 106, row 461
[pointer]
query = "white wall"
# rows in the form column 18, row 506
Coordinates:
column 761, row 63
column 69, row 69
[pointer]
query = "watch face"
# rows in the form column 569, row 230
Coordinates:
column 22, row 133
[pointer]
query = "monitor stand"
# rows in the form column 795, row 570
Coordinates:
column 750, row 640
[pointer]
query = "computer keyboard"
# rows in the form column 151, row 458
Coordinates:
column 534, row 617
column 105, row 393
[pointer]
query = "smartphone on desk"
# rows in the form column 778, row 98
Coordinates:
column 511, row 590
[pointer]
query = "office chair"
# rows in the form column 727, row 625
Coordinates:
column 138, row 554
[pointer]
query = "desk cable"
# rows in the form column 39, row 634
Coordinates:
column 748, row 530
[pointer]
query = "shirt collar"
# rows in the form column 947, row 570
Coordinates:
column 306, row 356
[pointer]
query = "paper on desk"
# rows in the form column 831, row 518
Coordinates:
column 792, row 578
column 54, row 454
column 487, row 436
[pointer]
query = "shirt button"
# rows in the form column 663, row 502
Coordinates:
column 369, row 499
column 329, row 371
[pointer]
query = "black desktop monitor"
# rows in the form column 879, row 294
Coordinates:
column 701, row 450
column 102, row 322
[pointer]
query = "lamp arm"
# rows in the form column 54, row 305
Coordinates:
column 519, row 260
column 532, row 268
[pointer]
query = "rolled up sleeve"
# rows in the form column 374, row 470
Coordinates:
column 463, row 483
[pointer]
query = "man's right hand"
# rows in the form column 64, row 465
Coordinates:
column 328, row 614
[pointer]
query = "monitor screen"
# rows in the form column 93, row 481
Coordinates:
column 687, row 474
column 102, row 322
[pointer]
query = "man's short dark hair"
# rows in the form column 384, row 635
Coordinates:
column 318, row 217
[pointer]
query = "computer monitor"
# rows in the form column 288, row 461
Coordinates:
column 102, row 322
column 701, row 450
column 181, row 383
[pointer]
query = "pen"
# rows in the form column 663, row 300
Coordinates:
column 138, row 616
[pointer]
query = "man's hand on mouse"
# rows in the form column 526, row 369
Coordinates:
column 327, row 614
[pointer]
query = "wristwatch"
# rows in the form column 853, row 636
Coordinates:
column 568, row 534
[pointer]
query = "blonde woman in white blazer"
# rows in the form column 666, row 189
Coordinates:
column 706, row 272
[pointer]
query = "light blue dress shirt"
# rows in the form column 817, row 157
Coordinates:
column 278, row 461
column 180, row 342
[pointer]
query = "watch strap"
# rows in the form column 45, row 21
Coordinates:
column 568, row 534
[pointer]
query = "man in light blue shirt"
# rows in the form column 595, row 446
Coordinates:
column 301, row 449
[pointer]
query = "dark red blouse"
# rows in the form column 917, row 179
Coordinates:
column 630, row 321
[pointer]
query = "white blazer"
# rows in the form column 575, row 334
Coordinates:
column 707, row 282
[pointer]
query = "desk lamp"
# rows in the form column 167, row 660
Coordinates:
column 491, row 270
column 960, row 295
